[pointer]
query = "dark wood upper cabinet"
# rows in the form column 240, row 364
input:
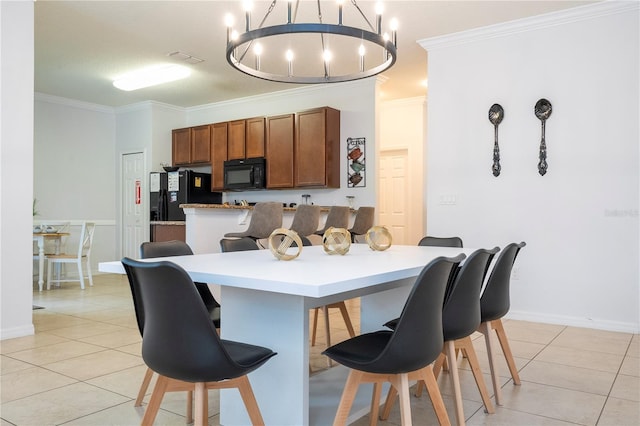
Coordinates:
column 317, row 148
column 255, row 136
column 201, row 144
column 279, row 151
column 235, row 142
column 181, row 146
column 191, row 145
column 218, row 155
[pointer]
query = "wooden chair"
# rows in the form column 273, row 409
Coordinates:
column 401, row 355
column 181, row 344
column 494, row 304
column 83, row 254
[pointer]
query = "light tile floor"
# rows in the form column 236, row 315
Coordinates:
column 83, row 367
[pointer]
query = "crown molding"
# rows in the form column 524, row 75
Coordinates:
column 146, row 106
column 567, row 16
column 42, row 97
column 284, row 94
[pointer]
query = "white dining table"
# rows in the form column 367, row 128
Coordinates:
column 40, row 237
column 266, row 302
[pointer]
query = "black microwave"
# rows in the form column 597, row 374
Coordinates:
column 240, row 175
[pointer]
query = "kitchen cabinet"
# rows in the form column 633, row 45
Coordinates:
column 181, row 146
column 255, row 135
column 218, row 154
column 191, row 145
column 246, row 139
column 168, row 232
column 279, row 151
column 317, row 148
column 236, row 139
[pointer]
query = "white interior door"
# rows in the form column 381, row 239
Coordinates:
column 134, row 203
column 394, row 190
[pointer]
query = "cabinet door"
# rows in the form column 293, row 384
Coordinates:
column 279, row 151
column 218, row 155
column 254, row 142
column 201, row 144
column 181, row 146
column 317, row 159
column 235, row 141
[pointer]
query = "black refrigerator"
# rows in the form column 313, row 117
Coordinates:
column 170, row 189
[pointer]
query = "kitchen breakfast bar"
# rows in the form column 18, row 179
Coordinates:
column 266, row 302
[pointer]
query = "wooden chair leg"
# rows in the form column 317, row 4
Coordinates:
column 348, row 395
column 485, row 328
column 506, row 349
column 202, row 405
column 467, row 347
column 327, row 330
column 249, row 399
column 455, row 380
column 143, row 387
column 438, row 365
column 375, row 404
column 156, row 399
column 401, row 383
column 315, row 326
column 435, row 395
column 189, row 415
column 388, row 403
column 345, row 316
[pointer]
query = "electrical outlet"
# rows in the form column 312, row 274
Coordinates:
column 447, row 200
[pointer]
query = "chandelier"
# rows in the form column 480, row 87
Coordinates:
column 311, row 52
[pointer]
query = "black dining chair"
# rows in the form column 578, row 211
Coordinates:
column 460, row 319
column 494, row 304
column 180, row 343
column 238, row 244
column 401, row 355
column 149, row 250
column 440, row 241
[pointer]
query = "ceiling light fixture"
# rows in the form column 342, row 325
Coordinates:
column 151, row 76
column 331, row 52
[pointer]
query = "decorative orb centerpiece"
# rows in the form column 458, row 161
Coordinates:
column 280, row 242
column 336, row 241
column 378, row 238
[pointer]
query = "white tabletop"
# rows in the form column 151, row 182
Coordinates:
column 313, row 274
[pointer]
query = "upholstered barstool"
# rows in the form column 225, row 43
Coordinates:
column 363, row 222
column 265, row 218
column 306, row 220
column 338, row 217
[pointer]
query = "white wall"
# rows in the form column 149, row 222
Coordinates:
column 72, row 182
column 580, row 220
column 16, row 167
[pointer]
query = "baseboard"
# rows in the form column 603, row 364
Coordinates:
column 10, row 333
column 624, row 327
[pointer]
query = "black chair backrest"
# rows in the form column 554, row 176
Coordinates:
column 417, row 339
column 461, row 312
column 495, row 300
column 150, row 250
column 179, row 339
column 441, row 241
column 238, row 244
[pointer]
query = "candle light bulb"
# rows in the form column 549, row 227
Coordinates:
column 257, row 49
column 393, row 25
column 247, row 5
column 229, row 20
column 379, row 8
column 289, row 55
column 326, row 56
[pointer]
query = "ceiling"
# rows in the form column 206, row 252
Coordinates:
column 81, row 46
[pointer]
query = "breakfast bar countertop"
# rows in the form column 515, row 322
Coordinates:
column 238, row 207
